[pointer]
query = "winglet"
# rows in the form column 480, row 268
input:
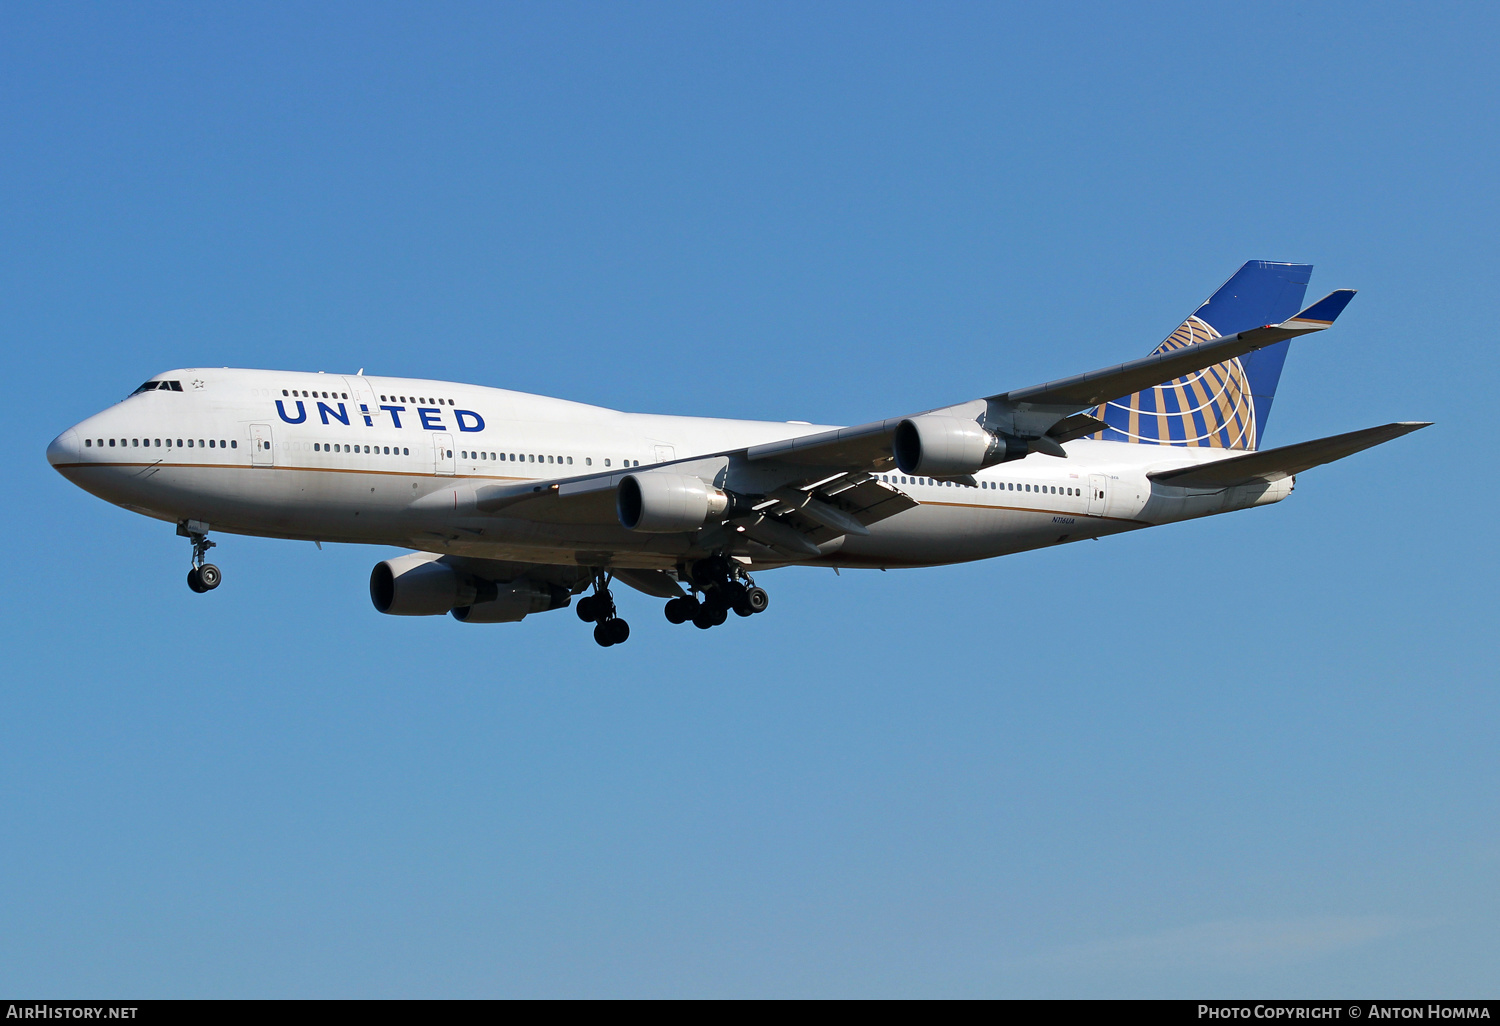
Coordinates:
column 1322, row 313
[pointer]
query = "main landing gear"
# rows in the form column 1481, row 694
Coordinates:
column 721, row 585
column 599, row 609
column 203, row 576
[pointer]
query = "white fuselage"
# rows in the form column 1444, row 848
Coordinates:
column 365, row 459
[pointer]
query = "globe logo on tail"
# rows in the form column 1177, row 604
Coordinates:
column 1212, row 408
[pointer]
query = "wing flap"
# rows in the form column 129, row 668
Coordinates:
column 845, row 504
column 1275, row 464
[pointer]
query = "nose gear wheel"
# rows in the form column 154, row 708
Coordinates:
column 202, row 576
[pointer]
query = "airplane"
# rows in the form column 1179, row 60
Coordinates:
column 511, row 504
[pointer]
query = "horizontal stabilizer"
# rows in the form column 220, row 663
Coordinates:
column 1325, row 311
column 1275, row 464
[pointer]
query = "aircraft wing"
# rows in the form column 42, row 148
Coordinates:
column 1049, row 412
column 1275, row 464
column 792, row 516
column 811, row 489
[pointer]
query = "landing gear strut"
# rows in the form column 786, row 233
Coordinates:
column 203, row 576
column 599, row 609
column 720, row 585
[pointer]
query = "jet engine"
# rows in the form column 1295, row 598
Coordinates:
column 422, row 585
column 660, row 503
column 936, row 446
column 416, row 585
column 513, row 602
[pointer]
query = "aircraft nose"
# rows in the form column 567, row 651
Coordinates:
column 64, row 448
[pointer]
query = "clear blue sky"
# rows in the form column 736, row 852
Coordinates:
column 1255, row 754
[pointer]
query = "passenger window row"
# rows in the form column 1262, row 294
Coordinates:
column 521, row 457
column 136, row 443
column 421, row 400
column 374, row 450
column 315, row 394
column 1003, row 486
column 532, row 457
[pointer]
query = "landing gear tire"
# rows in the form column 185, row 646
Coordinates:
column 203, row 576
column 757, row 600
column 703, row 619
column 611, row 632
column 736, row 596
column 599, row 609
column 681, row 610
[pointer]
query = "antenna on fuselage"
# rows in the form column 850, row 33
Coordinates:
column 359, row 373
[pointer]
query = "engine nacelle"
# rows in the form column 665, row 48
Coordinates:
column 660, row 503
column 415, row 585
column 936, row 446
column 513, row 602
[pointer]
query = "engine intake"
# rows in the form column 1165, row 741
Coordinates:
column 938, row 446
column 415, row 585
column 660, row 503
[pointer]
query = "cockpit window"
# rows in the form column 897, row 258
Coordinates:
column 159, row 386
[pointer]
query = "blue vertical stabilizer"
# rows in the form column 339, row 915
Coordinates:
column 1225, row 406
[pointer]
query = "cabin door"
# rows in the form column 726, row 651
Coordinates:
column 442, row 455
column 362, row 396
column 262, row 453
column 1098, row 494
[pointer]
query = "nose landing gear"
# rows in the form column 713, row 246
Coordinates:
column 720, row 586
column 599, row 609
column 203, row 576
